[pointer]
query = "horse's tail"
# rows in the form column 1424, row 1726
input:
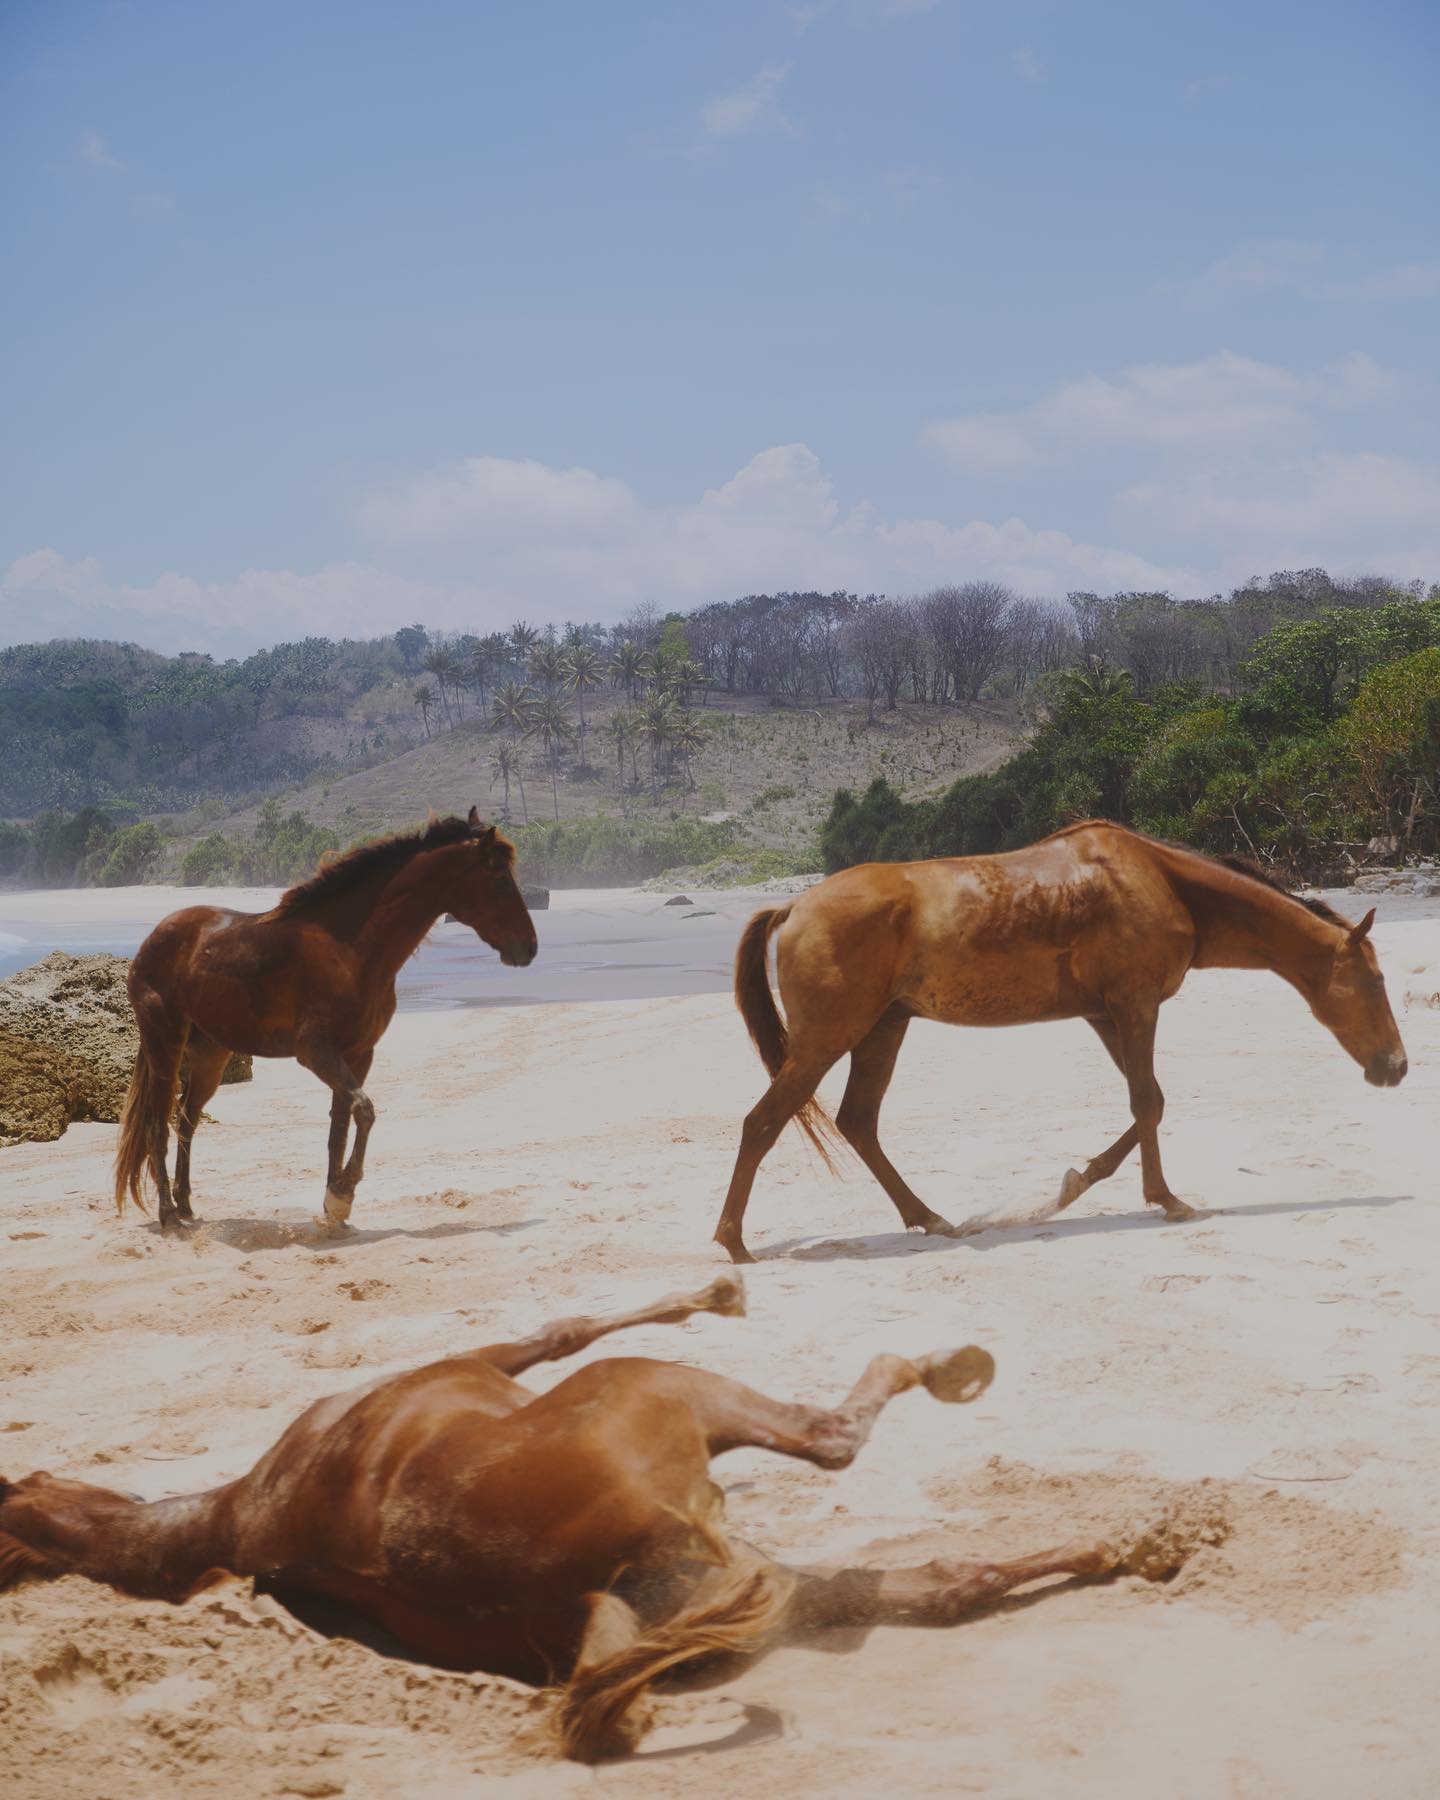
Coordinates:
column 148, row 1106
column 767, row 1028
column 738, row 1616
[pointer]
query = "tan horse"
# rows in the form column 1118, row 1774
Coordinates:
column 313, row 978
column 575, row 1534
column 1095, row 923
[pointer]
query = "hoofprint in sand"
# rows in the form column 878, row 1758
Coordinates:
column 545, row 1160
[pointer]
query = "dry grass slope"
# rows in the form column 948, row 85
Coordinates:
column 774, row 765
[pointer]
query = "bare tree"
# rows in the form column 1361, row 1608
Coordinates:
column 970, row 628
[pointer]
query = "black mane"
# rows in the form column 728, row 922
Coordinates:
column 340, row 873
column 1252, row 871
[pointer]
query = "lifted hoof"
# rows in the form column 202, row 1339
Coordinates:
column 725, row 1295
column 957, row 1376
column 1072, row 1186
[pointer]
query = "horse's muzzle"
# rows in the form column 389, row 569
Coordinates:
column 1388, row 1070
column 520, row 954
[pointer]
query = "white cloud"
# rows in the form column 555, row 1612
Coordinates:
column 93, row 151
column 1026, row 64
column 475, row 544
column 1402, row 281
column 1297, row 266
column 1269, row 263
column 752, row 107
column 1333, row 502
column 1223, row 400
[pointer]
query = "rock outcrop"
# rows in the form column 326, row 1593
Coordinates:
column 67, row 1045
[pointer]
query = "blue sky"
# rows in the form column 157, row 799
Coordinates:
column 324, row 316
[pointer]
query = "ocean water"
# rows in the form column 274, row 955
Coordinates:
column 633, row 949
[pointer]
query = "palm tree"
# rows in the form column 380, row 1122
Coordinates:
column 582, row 671
column 550, row 722
column 622, row 728
column 688, row 737
column 523, row 639
column 547, row 666
column 440, row 663
column 656, row 725
column 511, row 709
column 479, row 669
column 626, row 666
column 424, row 698
column 505, row 764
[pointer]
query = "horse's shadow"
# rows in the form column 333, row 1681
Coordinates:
column 309, row 1234
column 886, row 1244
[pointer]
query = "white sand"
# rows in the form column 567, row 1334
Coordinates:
column 538, row 1161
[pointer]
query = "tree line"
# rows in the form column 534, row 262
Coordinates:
column 1312, row 744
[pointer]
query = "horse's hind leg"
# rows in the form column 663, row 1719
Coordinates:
column 793, row 1087
column 732, row 1416
column 1075, row 1182
column 566, row 1337
column 206, row 1062
column 872, row 1064
column 935, row 1593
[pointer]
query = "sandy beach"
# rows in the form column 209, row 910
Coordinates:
column 569, row 1155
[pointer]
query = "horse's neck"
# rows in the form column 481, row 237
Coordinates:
column 1243, row 924
column 161, row 1549
column 387, row 924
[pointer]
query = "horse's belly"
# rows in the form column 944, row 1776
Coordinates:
column 994, row 995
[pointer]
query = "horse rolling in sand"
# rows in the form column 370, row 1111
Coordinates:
column 313, row 978
column 574, row 1536
column 1094, row 922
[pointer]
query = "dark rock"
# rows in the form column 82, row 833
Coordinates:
column 536, row 898
column 679, row 900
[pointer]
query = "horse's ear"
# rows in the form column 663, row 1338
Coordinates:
column 1362, row 930
column 474, row 816
column 487, row 840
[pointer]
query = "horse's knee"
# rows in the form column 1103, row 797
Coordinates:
column 362, row 1108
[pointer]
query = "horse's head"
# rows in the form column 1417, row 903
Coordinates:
column 1350, row 999
column 487, row 897
column 42, row 1519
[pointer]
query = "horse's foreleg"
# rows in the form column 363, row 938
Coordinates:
column 732, row 1416
column 935, row 1593
column 566, row 1337
column 339, row 1132
column 343, row 1078
column 791, row 1089
column 872, row 1064
column 1136, row 1037
column 207, row 1061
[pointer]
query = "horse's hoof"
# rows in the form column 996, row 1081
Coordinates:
column 1072, row 1186
column 726, row 1296
column 957, row 1376
column 735, row 1250
column 1177, row 1211
column 337, row 1207
column 932, row 1225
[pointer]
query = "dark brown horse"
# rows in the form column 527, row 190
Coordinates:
column 1095, row 923
column 574, row 1535
column 313, row 978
